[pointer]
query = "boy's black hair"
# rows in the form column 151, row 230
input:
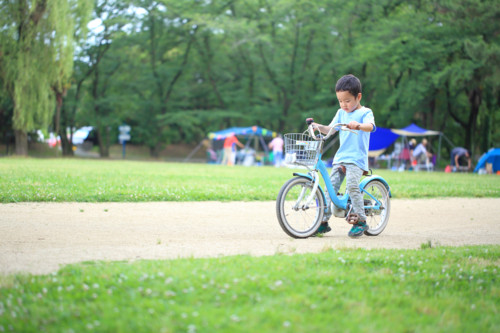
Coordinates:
column 349, row 83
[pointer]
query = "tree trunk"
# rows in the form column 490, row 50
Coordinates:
column 59, row 101
column 475, row 98
column 155, row 151
column 66, row 145
column 21, row 142
column 60, row 117
column 429, row 121
column 103, row 138
column 287, row 103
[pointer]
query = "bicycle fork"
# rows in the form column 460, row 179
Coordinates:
column 305, row 205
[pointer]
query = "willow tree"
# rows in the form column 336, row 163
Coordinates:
column 36, row 58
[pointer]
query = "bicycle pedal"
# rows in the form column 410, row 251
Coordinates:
column 352, row 218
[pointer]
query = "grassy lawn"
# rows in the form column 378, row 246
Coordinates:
column 432, row 289
column 427, row 290
column 59, row 180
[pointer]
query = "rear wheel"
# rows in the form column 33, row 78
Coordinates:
column 296, row 219
column 376, row 217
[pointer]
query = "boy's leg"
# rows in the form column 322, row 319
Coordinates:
column 336, row 177
column 353, row 176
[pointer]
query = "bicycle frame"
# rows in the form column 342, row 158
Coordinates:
column 339, row 201
column 301, row 205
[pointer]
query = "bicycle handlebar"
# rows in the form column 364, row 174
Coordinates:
column 341, row 126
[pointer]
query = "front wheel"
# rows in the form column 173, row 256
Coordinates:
column 377, row 207
column 295, row 218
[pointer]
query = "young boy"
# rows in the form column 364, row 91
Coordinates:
column 351, row 160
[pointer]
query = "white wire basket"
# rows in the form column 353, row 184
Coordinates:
column 301, row 149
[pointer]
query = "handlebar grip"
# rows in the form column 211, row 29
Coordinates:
column 309, row 121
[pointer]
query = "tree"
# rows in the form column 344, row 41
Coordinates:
column 175, row 70
column 36, row 43
column 430, row 62
column 98, row 65
column 292, row 53
column 167, row 34
column 62, row 119
column 471, row 73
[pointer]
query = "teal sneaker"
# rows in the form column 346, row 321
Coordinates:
column 323, row 228
column 358, row 229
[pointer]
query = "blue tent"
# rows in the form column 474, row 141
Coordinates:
column 493, row 157
column 242, row 131
column 414, row 130
column 381, row 139
column 259, row 133
column 256, row 132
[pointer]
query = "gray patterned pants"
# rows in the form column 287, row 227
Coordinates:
column 353, row 175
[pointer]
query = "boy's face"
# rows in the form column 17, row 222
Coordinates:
column 348, row 102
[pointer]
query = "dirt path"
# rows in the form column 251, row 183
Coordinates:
column 39, row 237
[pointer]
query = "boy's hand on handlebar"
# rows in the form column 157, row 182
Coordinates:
column 310, row 122
column 354, row 125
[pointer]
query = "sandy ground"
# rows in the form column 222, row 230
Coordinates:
column 40, row 237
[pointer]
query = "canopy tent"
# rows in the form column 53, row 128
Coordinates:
column 493, row 157
column 380, row 141
column 414, row 130
column 247, row 132
column 242, row 131
column 251, row 132
column 382, row 138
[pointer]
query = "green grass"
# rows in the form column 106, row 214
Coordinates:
column 429, row 290
column 85, row 180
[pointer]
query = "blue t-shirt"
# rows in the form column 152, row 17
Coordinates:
column 354, row 148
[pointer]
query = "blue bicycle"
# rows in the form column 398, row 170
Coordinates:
column 301, row 202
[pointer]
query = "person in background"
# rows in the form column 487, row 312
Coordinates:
column 412, row 145
column 277, row 146
column 405, row 157
column 460, row 157
column 229, row 152
column 421, row 155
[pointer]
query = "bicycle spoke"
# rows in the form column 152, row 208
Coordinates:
column 296, row 219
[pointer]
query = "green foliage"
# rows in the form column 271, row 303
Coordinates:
column 36, row 55
column 428, row 290
column 159, row 65
column 55, row 180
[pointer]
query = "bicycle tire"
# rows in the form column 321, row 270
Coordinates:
column 299, row 223
column 377, row 219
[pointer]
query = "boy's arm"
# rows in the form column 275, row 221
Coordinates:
column 365, row 127
column 367, row 123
